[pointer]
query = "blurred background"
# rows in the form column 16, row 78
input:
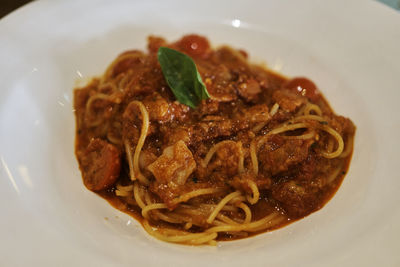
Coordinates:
column 6, row 6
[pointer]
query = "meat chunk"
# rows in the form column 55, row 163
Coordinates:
column 288, row 100
column 258, row 113
column 146, row 158
column 261, row 77
column 172, row 136
column 253, row 116
column 179, row 111
column 208, row 107
column 210, row 129
column 132, row 123
column 222, row 93
column 219, row 83
column 158, row 108
column 163, row 111
column 249, row 90
column 341, row 124
column 296, row 198
column 100, row 165
column 231, row 58
column 154, row 43
column 279, row 154
column 134, row 61
column 174, row 165
column 143, row 78
column 226, row 160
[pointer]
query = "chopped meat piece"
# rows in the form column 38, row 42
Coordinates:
column 231, row 58
column 297, row 199
column 288, row 100
column 279, row 154
column 154, row 43
column 211, row 129
column 158, row 108
column 175, row 164
column 249, row 90
column 146, row 158
column 172, row 136
column 100, row 165
column 143, row 79
column 253, row 116
column 135, row 60
column 218, row 81
column 213, row 118
column 261, row 77
column 222, row 93
column 132, row 123
column 225, row 160
column 179, row 111
column 341, row 124
column 258, row 113
column 208, row 107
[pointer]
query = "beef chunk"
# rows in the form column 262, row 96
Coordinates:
column 288, row 100
column 296, row 198
column 279, row 154
column 249, row 90
column 175, row 164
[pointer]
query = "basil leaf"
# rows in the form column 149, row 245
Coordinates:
column 182, row 76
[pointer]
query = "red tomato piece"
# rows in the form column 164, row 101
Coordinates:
column 304, row 87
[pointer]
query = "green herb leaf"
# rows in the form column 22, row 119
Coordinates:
column 182, row 76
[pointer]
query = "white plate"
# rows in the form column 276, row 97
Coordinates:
column 350, row 48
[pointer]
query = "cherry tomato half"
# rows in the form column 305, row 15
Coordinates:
column 304, row 87
column 194, row 45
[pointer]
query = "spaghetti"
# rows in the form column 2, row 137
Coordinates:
column 254, row 157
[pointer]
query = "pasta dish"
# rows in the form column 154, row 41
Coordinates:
column 201, row 145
